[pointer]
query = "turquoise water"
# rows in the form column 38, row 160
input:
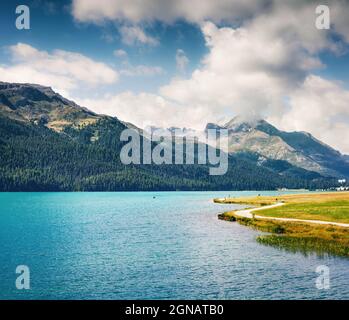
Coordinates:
column 132, row 246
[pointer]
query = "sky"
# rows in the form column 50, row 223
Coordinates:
column 186, row 63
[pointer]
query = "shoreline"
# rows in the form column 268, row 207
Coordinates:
column 246, row 213
column 292, row 233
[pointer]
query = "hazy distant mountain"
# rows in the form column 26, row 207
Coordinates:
column 49, row 143
column 180, row 132
column 300, row 149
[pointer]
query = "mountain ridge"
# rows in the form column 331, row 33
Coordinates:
column 40, row 104
column 49, row 143
column 298, row 148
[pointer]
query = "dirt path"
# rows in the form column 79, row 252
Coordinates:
column 248, row 213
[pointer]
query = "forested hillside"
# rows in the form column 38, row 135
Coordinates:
column 48, row 143
column 35, row 158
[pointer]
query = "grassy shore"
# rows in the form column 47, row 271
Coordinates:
column 300, row 236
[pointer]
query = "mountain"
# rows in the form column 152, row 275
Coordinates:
column 49, row 143
column 299, row 149
column 41, row 105
column 178, row 132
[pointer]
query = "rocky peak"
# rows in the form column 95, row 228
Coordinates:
column 243, row 124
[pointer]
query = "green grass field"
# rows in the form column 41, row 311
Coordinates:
column 329, row 206
column 300, row 236
column 334, row 211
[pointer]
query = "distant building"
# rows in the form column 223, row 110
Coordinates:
column 343, row 185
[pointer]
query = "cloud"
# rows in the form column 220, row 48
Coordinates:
column 138, row 11
column 339, row 17
column 63, row 70
column 140, row 109
column 198, row 11
column 321, row 107
column 181, row 61
column 132, row 35
column 296, row 19
column 141, row 70
column 120, row 53
column 242, row 61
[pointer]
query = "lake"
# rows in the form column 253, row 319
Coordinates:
column 148, row 245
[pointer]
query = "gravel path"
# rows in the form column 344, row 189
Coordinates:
column 248, row 213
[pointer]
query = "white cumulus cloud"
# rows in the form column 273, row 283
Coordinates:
column 63, row 70
column 320, row 106
column 132, row 35
column 138, row 11
column 141, row 109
